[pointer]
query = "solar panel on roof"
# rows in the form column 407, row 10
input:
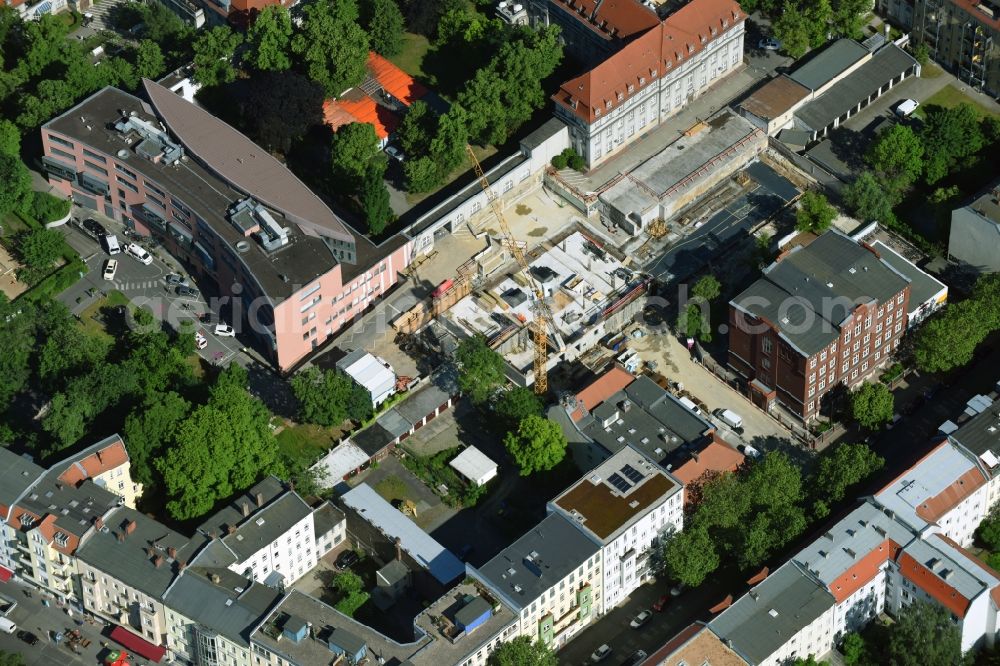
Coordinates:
column 619, row 483
column 634, row 475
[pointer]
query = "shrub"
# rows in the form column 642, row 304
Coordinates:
column 47, row 208
column 576, row 162
column 560, row 161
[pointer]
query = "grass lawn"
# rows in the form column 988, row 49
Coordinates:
column 950, row 96
column 12, row 225
column 930, row 71
column 411, row 58
column 306, row 442
column 393, row 488
column 93, row 327
column 71, row 19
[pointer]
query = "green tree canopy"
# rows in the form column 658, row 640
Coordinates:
column 522, row 651
column 853, row 648
column 518, row 403
column 988, row 532
column 329, row 398
column 848, row 16
column 384, row 22
column 10, row 138
column 374, row 197
column 354, row 146
column 948, row 136
column 17, row 330
column 690, row 556
column 332, row 46
column 897, row 158
column 868, row 200
column 15, row 659
column 213, row 55
column 537, row 446
column 793, row 29
column 350, row 588
column 269, row 40
column 39, row 248
column 707, row 288
column 924, row 635
column 47, row 208
column 15, row 183
column 149, row 60
column 279, row 108
column 842, row 467
column 414, row 133
column 949, row 338
column 872, row 405
column 149, row 429
column 695, row 322
column 815, row 213
column 480, row 369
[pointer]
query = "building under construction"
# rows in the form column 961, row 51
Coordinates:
column 589, row 289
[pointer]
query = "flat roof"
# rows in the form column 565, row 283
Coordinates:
column 243, row 163
column 888, row 62
column 438, row 621
column 829, row 63
column 17, row 473
column 615, row 494
column 427, row 552
column 232, row 613
column 301, row 261
column 981, row 436
column 774, row 98
column 368, row 371
column 772, row 613
column 473, row 464
column 545, row 555
column 923, row 287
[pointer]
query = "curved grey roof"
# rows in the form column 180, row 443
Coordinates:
column 243, row 163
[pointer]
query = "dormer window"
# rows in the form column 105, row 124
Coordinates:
column 61, row 539
column 607, row 105
column 653, row 74
column 703, row 39
column 725, row 23
column 597, row 112
column 690, row 48
column 631, row 89
column 621, row 96
column 573, row 103
column 714, row 30
column 642, row 80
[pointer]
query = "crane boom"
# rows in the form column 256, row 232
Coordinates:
column 540, row 325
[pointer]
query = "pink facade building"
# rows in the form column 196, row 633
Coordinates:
column 289, row 270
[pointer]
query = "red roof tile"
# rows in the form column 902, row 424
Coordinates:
column 48, row 528
column 363, row 110
column 602, row 388
column 111, row 456
column 395, row 81
column 680, row 36
column 932, row 508
column 864, row 570
column 716, row 457
column 930, row 583
column 621, row 19
column 358, row 105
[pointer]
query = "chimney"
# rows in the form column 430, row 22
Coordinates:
column 98, row 523
column 260, row 500
column 158, row 561
column 399, row 549
column 172, row 553
column 246, row 509
column 231, row 529
column 214, row 578
column 120, row 536
column 130, row 527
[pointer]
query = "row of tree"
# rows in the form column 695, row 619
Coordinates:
column 807, row 24
column 748, row 516
column 950, row 338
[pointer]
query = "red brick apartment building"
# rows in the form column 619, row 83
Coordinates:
column 828, row 313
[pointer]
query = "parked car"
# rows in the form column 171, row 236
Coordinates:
column 225, row 331
column 601, row 653
column 730, row 418
column 678, row 589
column 635, row 658
column 28, row 637
column 395, row 153
column 139, row 253
column 187, row 291
column 175, row 278
column 208, row 318
column 95, row 227
column 641, row 619
column 7, row 604
column 347, row 559
column 200, row 341
column 749, row 451
column 111, row 244
column 661, row 603
column 110, row 268
column 906, row 107
column 769, row 44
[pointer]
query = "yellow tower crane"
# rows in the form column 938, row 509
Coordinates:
column 540, row 325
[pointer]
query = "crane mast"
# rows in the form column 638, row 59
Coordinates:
column 542, row 316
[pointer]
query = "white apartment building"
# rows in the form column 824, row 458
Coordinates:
column 623, row 505
column 551, row 578
column 651, row 78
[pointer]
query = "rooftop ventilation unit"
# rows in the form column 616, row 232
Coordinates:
column 155, row 145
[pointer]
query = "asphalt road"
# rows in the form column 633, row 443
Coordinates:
column 687, row 256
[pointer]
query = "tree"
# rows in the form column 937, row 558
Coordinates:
column 47, row 208
column 480, row 369
column 949, row 135
column 149, row 61
column 690, row 556
column 924, row 635
column 809, row 661
column 38, row 250
column 872, row 405
column 848, row 15
column 949, row 338
column 220, row 448
column 818, row 14
column 988, row 532
column 422, row 174
column 522, row 651
column 414, row 133
column 15, row 183
column 353, row 148
column 269, row 40
column 279, row 108
column 922, row 54
column 17, row 330
column 793, row 29
column 213, row 55
column 350, row 587
column 868, row 200
column 332, row 45
column 843, row 467
column 10, row 138
column 707, row 288
column 15, row 659
column 63, row 351
column 447, row 147
column 374, row 198
column 694, row 322
column 329, row 398
column 853, row 648
column 149, row 429
column 517, row 404
column 537, row 446
column 896, row 158
column 814, row 213
column 384, row 22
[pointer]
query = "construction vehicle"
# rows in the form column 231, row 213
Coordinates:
column 542, row 315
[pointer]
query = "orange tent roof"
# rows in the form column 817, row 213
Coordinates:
column 341, row 112
column 396, row 82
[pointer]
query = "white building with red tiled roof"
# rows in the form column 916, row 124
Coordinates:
column 651, row 77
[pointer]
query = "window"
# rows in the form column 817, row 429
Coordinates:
column 812, row 392
column 765, row 363
column 899, row 326
column 857, row 329
column 822, row 356
column 899, row 299
column 864, row 366
column 127, row 172
column 93, row 167
column 69, row 144
column 822, row 384
column 855, row 360
column 812, row 362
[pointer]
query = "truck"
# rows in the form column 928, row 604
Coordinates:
column 6, row 605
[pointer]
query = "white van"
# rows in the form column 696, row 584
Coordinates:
column 906, row 107
column 6, row 626
column 111, row 244
column 689, row 403
column 140, row 254
column 730, row 418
